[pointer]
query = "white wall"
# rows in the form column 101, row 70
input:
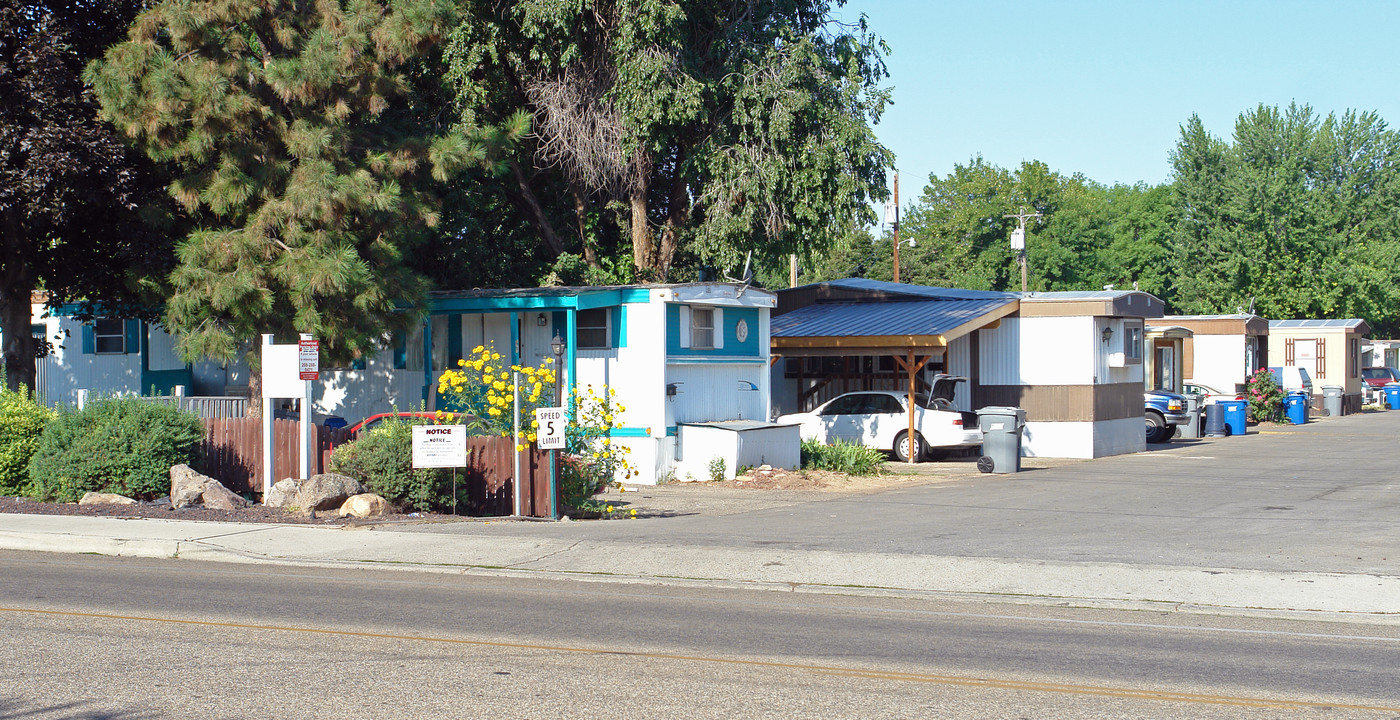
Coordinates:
column 1083, row 439
column 1218, row 361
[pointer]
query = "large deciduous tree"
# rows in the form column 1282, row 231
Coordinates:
column 78, row 212
column 707, row 128
column 1297, row 216
column 312, row 151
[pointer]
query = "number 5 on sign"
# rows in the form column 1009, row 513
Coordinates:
column 550, row 433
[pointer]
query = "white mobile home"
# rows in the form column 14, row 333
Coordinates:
column 1223, row 350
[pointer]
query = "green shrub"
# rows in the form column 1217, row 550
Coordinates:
column 22, row 421
column 842, row 456
column 1265, row 397
column 382, row 459
column 122, row 445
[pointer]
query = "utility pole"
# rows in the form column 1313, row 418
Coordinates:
column 1018, row 242
column 892, row 217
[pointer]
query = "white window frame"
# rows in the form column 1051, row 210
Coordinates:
column 1132, row 343
column 702, row 335
column 99, row 337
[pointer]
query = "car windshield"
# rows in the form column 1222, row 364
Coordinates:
column 1377, row 373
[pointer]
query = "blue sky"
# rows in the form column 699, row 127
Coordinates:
column 1102, row 88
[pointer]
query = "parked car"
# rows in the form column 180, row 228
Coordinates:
column 1375, row 378
column 1163, row 411
column 879, row 419
column 1292, row 379
column 1209, row 395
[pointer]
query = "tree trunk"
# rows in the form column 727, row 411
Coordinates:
column 16, row 287
column 255, row 399
column 524, row 198
column 590, row 254
column 676, row 215
column 643, row 254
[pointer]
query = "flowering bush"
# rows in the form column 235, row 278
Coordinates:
column 484, row 387
column 1265, row 397
column 594, row 459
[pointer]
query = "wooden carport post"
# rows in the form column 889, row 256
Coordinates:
column 912, row 365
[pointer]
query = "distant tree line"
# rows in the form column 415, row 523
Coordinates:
column 1295, row 216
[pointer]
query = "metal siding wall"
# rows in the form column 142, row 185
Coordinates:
column 1058, row 351
column 162, row 354
column 999, row 353
column 958, row 361
column 1219, row 361
column 710, row 392
column 70, row 369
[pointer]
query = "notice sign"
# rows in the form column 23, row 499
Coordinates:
column 550, row 434
column 439, row 446
column 309, row 359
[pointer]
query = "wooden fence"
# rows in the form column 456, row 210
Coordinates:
column 233, row 455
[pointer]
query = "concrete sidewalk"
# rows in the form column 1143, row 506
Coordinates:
column 1359, row 596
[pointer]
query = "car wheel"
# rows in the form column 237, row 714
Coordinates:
column 901, row 446
column 1156, row 427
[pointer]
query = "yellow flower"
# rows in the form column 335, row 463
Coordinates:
column 477, row 349
column 549, row 361
column 494, row 412
column 495, row 356
column 634, row 512
column 610, row 508
column 462, row 363
column 534, row 423
column 521, row 447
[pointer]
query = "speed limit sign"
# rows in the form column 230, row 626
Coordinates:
column 550, row 434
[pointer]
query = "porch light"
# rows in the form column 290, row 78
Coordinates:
column 540, row 320
column 557, row 344
column 1107, row 334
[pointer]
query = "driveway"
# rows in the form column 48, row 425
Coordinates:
column 1323, row 497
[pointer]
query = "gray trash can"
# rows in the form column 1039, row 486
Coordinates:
column 1332, row 400
column 1191, row 429
column 1215, row 421
column 1001, row 439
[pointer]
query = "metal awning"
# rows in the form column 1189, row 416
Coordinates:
column 883, row 328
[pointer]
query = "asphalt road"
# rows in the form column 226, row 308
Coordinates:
column 104, row 637
column 1322, row 497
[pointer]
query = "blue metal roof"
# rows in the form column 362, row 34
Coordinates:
column 916, row 291
column 1348, row 323
column 865, row 319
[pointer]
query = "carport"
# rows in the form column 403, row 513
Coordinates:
column 837, row 336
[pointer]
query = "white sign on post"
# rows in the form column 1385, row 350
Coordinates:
column 309, row 359
column 550, row 434
column 439, row 446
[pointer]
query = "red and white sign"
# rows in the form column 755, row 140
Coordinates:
column 309, row 359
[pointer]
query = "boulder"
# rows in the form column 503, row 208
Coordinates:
column 218, row 497
column 186, row 486
column 364, row 505
column 327, row 491
column 283, row 494
column 94, row 498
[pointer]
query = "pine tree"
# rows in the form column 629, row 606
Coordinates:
column 312, row 153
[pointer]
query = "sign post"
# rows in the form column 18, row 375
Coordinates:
column 441, row 446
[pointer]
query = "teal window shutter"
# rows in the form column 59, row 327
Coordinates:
column 133, row 337
column 400, row 351
column 358, row 363
column 619, row 326
column 454, row 340
column 89, row 342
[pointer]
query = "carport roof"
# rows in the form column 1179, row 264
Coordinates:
column 882, row 326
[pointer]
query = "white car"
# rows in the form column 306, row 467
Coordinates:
column 1208, row 394
column 879, row 419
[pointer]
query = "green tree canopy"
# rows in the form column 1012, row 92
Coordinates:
column 702, row 130
column 80, row 216
column 312, row 150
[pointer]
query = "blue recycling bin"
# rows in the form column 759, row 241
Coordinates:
column 1392, row 395
column 1236, row 413
column 1295, row 406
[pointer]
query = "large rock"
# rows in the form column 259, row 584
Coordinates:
column 218, row 497
column 365, row 505
column 283, row 494
column 187, row 486
column 327, row 491
column 93, row 498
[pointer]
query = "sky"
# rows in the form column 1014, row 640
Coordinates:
column 1102, row 88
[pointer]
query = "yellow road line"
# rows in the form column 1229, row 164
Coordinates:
column 1023, row 685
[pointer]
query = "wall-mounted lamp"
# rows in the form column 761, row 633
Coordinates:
column 1107, row 334
column 541, row 321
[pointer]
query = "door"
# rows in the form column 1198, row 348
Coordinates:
column 838, row 419
column 1164, row 367
column 1306, row 354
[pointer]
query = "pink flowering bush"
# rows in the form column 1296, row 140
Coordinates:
column 1265, row 397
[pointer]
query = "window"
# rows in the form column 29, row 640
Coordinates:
column 1132, row 343
column 882, row 405
column 593, row 330
column 702, row 328
column 109, row 336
